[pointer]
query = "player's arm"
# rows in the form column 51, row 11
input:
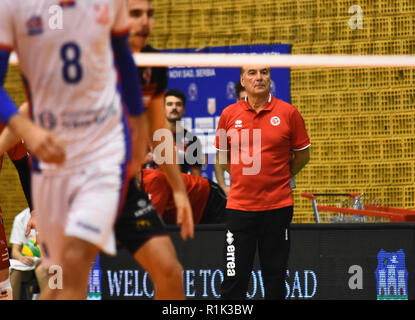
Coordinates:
column 23, row 169
column 300, row 143
column 31, row 224
column 221, row 165
column 131, row 96
column 196, row 169
column 157, row 121
column 299, row 160
column 42, row 143
column 17, row 241
column 7, row 138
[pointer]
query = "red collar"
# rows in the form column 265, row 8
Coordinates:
column 267, row 107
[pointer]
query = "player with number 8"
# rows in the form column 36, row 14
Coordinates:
column 86, row 129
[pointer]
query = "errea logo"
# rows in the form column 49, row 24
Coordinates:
column 230, row 255
column 229, row 237
column 141, row 203
column 238, row 124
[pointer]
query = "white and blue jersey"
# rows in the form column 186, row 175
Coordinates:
column 79, row 74
column 67, row 64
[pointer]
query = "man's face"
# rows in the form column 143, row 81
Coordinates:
column 173, row 108
column 256, row 80
column 141, row 23
column 242, row 95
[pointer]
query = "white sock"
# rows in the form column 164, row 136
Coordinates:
column 6, row 292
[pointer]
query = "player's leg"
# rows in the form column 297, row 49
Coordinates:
column 6, row 292
column 158, row 257
column 77, row 260
column 69, row 281
column 50, row 218
column 89, row 201
column 140, row 229
column 5, row 286
column 89, row 227
column 42, row 276
column 274, row 249
column 16, row 282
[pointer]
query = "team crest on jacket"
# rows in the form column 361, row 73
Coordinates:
column 275, row 121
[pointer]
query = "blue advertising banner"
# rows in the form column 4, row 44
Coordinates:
column 210, row 90
column 355, row 261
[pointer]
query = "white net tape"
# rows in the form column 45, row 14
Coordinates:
column 272, row 60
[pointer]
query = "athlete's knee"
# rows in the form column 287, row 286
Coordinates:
column 170, row 269
column 78, row 256
column 6, row 291
column 78, row 251
column 175, row 268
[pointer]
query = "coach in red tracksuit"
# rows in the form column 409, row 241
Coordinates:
column 263, row 143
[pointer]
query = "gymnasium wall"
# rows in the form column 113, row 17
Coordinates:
column 361, row 121
column 12, row 198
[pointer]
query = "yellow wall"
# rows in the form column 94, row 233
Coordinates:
column 11, row 194
column 361, row 121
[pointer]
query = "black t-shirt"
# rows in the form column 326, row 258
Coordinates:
column 189, row 150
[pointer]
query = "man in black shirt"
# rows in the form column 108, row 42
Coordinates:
column 188, row 146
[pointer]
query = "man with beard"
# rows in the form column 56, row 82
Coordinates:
column 188, row 146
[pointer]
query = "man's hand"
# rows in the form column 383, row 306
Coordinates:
column 45, row 146
column 42, row 143
column 31, row 224
column 226, row 189
column 17, row 254
column 184, row 215
column 139, row 136
column 149, row 157
column 29, row 261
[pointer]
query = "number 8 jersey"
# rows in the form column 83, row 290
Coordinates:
column 67, row 65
